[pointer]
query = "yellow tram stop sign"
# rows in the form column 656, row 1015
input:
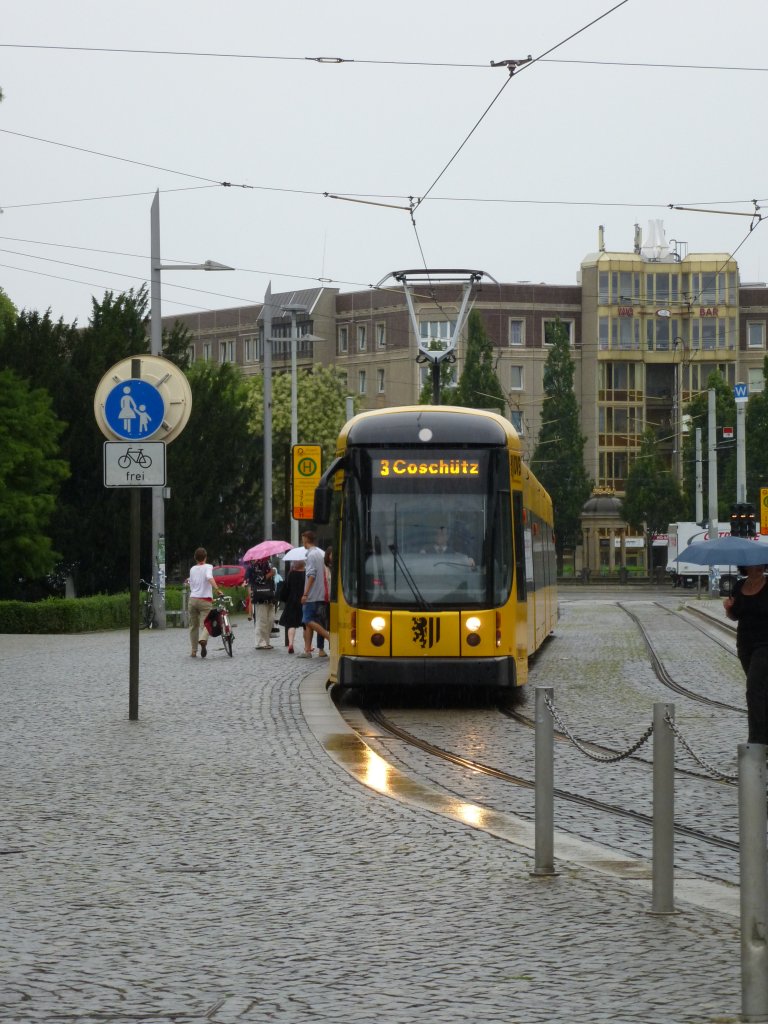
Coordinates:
column 307, row 470
column 764, row 510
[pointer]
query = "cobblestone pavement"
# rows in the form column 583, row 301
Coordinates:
column 211, row 863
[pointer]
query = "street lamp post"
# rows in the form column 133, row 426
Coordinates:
column 156, row 349
column 294, row 308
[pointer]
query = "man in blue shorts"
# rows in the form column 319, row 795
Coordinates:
column 313, row 598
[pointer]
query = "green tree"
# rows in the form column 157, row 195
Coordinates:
column 214, row 470
column 8, row 314
column 756, row 447
column 479, row 386
column 321, row 397
column 653, row 497
column 725, row 415
column 558, row 459
column 30, row 476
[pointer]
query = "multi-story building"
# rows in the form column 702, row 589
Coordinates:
column 647, row 327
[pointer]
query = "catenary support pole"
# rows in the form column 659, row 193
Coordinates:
column 712, row 463
column 741, row 451
column 663, row 887
column 266, row 316
column 753, row 873
column 544, row 788
column 157, row 563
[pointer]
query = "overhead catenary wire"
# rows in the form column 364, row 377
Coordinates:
column 223, row 55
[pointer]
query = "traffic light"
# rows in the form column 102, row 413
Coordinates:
column 743, row 520
column 749, row 511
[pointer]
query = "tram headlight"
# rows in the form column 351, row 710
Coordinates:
column 378, row 622
column 473, row 623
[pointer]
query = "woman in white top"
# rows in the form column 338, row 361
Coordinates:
column 201, row 587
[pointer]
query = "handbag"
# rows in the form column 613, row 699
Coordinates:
column 262, row 593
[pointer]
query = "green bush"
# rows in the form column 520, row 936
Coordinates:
column 86, row 614
column 66, row 615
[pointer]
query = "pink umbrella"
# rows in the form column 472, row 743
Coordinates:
column 266, row 549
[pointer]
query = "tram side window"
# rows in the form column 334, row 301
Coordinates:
column 500, row 541
column 351, row 558
column 519, row 545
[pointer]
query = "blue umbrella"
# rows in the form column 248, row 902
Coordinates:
column 726, row 551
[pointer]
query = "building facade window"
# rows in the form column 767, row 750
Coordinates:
column 380, row 381
column 549, row 326
column 249, row 349
column 755, row 334
column 191, row 353
column 342, row 344
column 361, row 382
column 207, row 351
column 381, row 335
column 362, row 338
column 227, row 351
column 755, row 379
column 438, row 329
column 516, row 419
column 516, row 332
column 516, row 378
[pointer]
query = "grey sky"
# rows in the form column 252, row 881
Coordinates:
column 565, row 147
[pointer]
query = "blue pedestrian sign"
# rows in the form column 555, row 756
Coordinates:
column 134, row 409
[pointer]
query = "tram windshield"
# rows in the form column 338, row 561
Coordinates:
column 428, row 529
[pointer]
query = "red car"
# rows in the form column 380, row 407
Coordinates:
column 229, row 575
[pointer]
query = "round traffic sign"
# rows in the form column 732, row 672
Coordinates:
column 160, row 376
column 134, row 409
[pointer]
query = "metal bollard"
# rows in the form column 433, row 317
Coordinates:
column 754, row 882
column 663, row 889
column 544, row 789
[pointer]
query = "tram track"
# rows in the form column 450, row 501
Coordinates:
column 376, row 716
column 661, row 671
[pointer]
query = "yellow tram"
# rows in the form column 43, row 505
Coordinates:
column 443, row 558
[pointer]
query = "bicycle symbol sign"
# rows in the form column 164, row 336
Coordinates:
column 134, row 465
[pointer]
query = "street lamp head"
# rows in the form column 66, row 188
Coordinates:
column 213, row 265
column 294, row 307
column 208, row 265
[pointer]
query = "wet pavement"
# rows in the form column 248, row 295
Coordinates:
column 217, row 860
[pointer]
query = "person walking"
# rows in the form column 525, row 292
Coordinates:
column 290, row 593
column 325, row 619
column 201, row 586
column 261, row 582
column 748, row 607
column 314, row 593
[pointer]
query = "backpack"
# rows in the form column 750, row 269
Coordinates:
column 212, row 623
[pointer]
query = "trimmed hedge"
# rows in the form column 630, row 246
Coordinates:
column 74, row 614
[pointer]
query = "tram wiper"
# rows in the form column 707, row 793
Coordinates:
column 408, row 578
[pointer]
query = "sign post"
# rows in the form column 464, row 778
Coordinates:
column 138, row 399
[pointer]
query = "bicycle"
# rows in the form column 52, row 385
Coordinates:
column 148, row 617
column 222, row 605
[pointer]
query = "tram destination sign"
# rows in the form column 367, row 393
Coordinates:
column 433, row 466
column 134, row 463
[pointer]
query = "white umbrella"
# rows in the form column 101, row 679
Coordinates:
column 298, row 555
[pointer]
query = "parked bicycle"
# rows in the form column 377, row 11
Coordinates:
column 148, row 617
column 220, row 625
